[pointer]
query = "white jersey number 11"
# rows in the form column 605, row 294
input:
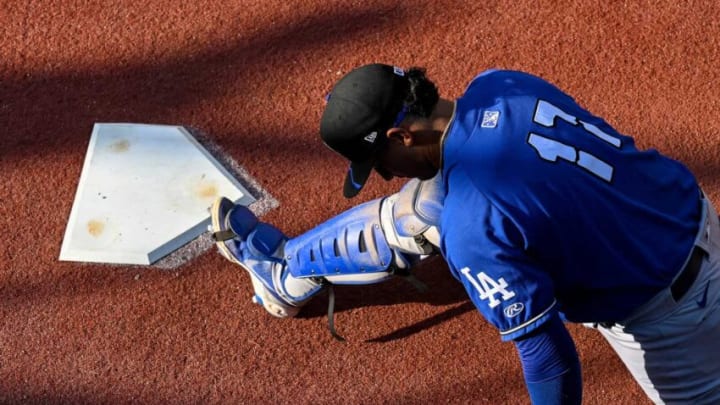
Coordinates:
column 551, row 150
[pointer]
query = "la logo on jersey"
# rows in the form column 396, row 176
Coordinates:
column 487, row 287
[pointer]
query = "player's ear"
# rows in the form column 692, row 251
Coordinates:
column 401, row 135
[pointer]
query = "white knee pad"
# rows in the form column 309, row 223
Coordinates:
column 410, row 217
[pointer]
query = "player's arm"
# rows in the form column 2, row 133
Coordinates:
column 550, row 364
column 488, row 252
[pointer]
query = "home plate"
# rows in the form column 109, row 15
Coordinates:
column 144, row 192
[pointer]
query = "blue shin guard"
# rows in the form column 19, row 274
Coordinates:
column 350, row 248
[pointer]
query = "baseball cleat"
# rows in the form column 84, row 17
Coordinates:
column 230, row 228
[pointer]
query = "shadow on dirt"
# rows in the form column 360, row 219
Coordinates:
column 442, row 290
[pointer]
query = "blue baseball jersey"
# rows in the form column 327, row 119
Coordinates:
column 548, row 208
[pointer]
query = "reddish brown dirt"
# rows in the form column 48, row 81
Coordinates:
column 251, row 75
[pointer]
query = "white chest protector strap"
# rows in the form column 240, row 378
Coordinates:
column 364, row 244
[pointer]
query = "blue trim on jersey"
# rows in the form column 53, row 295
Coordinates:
column 528, row 326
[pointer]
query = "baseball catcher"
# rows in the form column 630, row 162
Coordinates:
column 543, row 211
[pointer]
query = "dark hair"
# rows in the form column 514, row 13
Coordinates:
column 422, row 93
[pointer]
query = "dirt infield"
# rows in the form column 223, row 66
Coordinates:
column 251, row 75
